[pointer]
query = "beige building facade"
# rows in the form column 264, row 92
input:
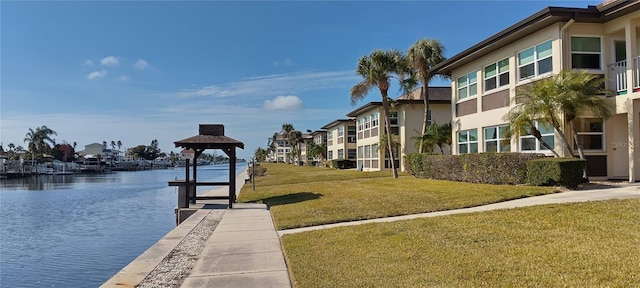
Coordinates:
column 406, row 121
column 601, row 39
column 341, row 139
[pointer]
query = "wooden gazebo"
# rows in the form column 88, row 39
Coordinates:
column 210, row 136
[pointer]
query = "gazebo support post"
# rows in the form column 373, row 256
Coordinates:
column 232, row 176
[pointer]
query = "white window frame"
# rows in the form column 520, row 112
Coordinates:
column 599, row 53
column 340, row 131
column 374, row 120
column 360, row 124
column 329, row 135
column 539, row 147
column 536, row 61
column 367, row 122
column 589, row 133
column 330, row 155
column 496, row 77
column 467, row 86
column 340, row 153
column 468, row 142
column 375, row 151
column 360, row 154
column 501, row 140
column 367, row 152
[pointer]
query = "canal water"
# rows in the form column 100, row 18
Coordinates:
column 79, row 230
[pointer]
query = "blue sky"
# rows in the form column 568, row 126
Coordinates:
column 138, row 71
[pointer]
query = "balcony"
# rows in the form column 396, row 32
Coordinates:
column 618, row 76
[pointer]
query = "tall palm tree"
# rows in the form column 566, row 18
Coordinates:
column 377, row 69
column 119, row 144
column 295, row 137
column 286, row 129
column 436, row 135
column 422, row 56
column 113, row 144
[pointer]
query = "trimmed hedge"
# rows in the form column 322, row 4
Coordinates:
column 487, row 168
column 566, row 172
column 343, row 164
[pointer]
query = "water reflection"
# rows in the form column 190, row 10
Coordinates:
column 79, row 230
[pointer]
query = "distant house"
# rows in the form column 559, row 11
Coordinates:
column 406, row 122
column 99, row 150
column 341, row 139
column 603, row 40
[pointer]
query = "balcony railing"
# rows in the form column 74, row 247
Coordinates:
column 618, row 75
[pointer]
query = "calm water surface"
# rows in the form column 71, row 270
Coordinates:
column 79, row 230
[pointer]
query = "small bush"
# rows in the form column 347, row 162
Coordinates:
column 566, row 172
column 259, row 170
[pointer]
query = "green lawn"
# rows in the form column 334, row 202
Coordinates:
column 595, row 244
column 308, row 196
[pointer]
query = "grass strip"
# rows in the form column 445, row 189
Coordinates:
column 308, row 196
column 592, row 244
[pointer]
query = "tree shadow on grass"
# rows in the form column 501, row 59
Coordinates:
column 290, row 198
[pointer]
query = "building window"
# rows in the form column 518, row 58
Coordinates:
column 367, row 152
column 360, row 152
column 429, row 122
column 468, row 85
column 340, row 153
column 530, row 143
column 351, row 153
column 340, row 131
column 585, row 53
column 329, row 155
column 374, row 151
column 329, row 135
column 535, row 61
column 496, row 140
column 496, row 75
column 374, row 120
column 468, row 141
column 393, row 118
column 360, row 124
column 590, row 133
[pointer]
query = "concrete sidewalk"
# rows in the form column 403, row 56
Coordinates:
column 243, row 251
column 631, row 190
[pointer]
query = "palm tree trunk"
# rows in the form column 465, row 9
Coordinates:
column 425, row 97
column 580, row 152
column 565, row 141
column 536, row 133
column 385, row 107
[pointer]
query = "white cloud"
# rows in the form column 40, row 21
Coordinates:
column 124, row 78
column 286, row 62
column 109, row 61
column 88, row 62
column 274, row 85
column 282, row 103
column 97, row 74
column 141, row 64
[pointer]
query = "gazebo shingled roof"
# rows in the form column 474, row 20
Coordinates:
column 211, row 136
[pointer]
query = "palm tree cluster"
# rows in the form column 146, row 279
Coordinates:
column 39, row 141
column 381, row 66
column 558, row 100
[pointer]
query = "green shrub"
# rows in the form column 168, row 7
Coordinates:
column 566, row 172
column 488, row 168
column 343, row 164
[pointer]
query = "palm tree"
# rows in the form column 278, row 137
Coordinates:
column 521, row 122
column 569, row 94
column 317, row 150
column 40, row 141
column 422, row 56
column 286, row 129
column 436, row 135
column 295, row 137
column 113, row 144
column 583, row 95
column 119, row 144
column 377, row 69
